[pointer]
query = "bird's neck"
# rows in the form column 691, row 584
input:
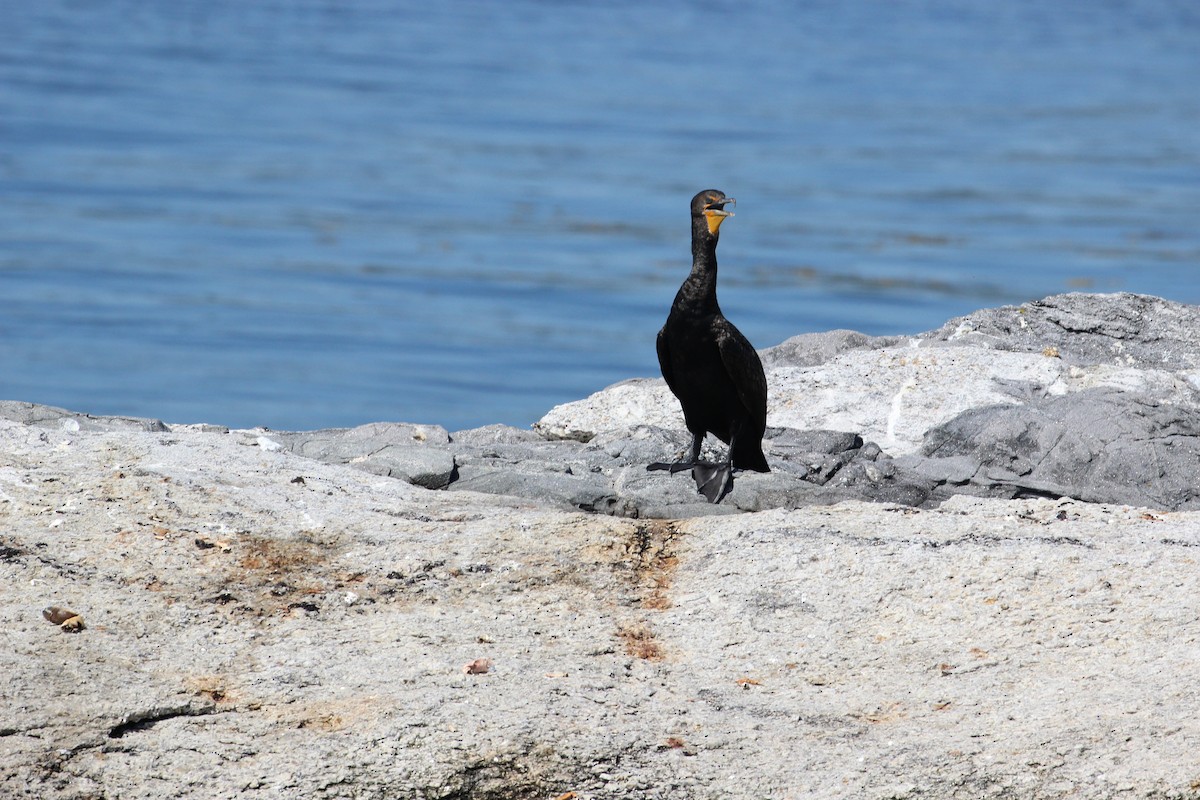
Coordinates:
column 700, row 288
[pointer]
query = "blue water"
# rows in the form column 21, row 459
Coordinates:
column 314, row 214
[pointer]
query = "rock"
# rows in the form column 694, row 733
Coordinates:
column 893, row 391
column 1098, row 445
column 891, row 395
column 622, row 406
column 412, row 453
column 1088, row 329
column 61, row 419
column 564, row 488
column 608, row 473
column 846, row 650
column 494, row 434
column 813, row 349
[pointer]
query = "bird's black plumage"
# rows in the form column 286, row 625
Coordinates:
column 710, row 366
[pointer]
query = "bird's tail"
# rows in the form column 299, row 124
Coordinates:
column 750, row 458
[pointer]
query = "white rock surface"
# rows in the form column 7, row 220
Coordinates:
column 890, row 396
column 986, row 649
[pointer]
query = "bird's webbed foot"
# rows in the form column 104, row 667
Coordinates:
column 714, row 481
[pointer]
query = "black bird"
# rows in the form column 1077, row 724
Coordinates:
column 710, row 366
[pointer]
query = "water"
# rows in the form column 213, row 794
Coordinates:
column 316, row 214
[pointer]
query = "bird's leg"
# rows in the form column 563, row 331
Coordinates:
column 680, row 466
column 713, row 480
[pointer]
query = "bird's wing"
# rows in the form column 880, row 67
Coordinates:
column 664, row 360
column 744, row 367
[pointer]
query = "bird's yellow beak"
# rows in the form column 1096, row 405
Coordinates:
column 716, row 216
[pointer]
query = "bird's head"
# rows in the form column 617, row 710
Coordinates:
column 710, row 205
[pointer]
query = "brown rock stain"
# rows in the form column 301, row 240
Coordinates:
column 212, row 687
column 278, row 556
column 329, row 716
column 648, row 560
column 640, row 642
column 650, row 551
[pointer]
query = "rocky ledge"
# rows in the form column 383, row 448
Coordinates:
column 972, row 574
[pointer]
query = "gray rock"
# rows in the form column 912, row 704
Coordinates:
column 1099, row 445
column 1088, row 329
column 413, row 453
column 813, row 349
column 564, row 488
column 494, row 434
column 608, row 474
column 61, row 419
column 558, row 473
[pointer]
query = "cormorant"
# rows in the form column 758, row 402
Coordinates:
column 710, row 366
